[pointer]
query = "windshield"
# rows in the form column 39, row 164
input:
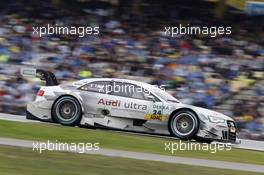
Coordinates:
column 164, row 95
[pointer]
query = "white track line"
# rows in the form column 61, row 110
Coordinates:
column 149, row 157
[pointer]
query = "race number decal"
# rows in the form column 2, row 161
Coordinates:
column 156, row 115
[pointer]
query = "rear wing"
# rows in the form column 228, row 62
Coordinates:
column 44, row 75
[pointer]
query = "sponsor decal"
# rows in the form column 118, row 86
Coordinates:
column 135, row 106
column 232, row 129
column 155, row 117
column 119, row 103
column 161, row 107
column 114, row 103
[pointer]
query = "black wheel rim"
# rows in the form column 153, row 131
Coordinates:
column 66, row 110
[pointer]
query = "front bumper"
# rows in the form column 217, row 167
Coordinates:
column 223, row 132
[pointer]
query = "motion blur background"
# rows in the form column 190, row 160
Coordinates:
column 225, row 73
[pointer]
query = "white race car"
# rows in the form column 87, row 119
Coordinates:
column 125, row 105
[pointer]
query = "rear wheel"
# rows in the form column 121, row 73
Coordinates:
column 67, row 111
column 183, row 124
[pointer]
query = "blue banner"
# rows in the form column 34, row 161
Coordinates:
column 255, row 8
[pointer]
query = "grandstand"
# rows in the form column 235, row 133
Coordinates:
column 219, row 73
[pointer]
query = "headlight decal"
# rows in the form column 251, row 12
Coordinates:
column 216, row 119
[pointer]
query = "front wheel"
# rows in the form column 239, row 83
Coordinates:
column 67, row 111
column 183, row 124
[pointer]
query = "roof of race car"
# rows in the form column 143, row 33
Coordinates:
column 147, row 86
column 85, row 81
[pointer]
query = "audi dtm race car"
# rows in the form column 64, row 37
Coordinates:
column 125, row 105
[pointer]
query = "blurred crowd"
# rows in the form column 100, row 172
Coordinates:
column 198, row 70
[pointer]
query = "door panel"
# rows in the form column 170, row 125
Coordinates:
column 91, row 94
column 126, row 107
column 131, row 101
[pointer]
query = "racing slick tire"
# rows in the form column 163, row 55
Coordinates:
column 67, row 111
column 184, row 124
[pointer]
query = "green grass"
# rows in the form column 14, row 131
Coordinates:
column 24, row 161
column 114, row 140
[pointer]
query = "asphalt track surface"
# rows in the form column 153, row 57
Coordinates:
column 140, row 156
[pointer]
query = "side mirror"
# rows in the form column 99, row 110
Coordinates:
column 151, row 97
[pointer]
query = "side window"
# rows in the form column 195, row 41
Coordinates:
column 96, row 86
column 127, row 90
column 148, row 94
column 120, row 89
